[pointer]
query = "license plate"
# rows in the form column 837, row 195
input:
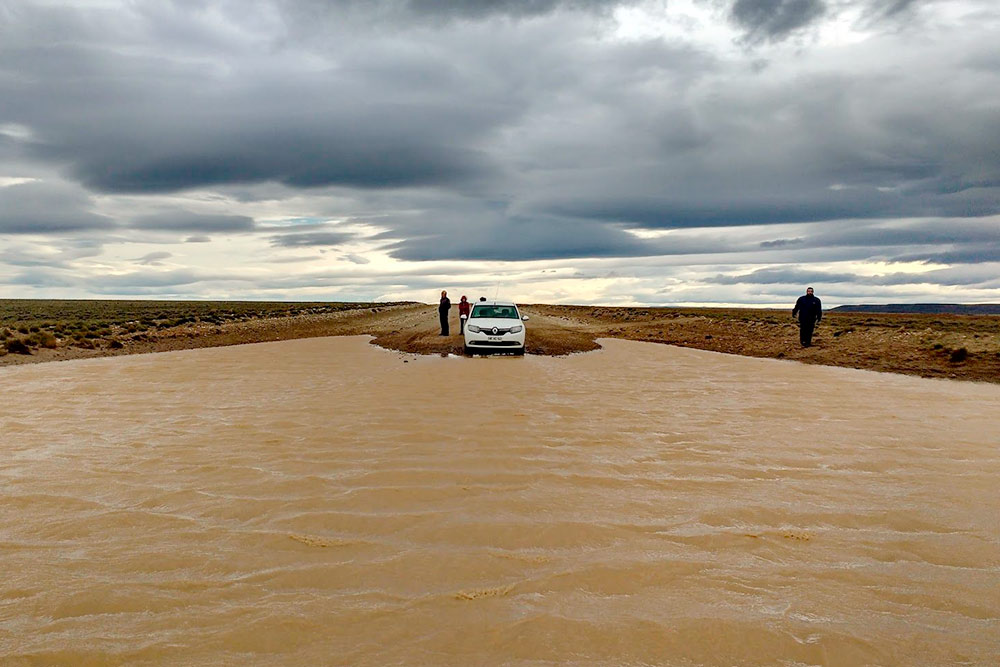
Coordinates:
column 496, row 338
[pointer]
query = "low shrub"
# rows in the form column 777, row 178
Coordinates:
column 961, row 354
column 47, row 340
column 17, row 346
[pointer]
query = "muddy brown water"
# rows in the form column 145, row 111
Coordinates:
column 320, row 501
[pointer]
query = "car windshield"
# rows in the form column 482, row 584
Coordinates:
column 499, row 312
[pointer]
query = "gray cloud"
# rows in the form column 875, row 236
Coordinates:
column 43, row 208
column 775, row 19
column 307, row 16
column 973, row 254
column 152, row 124
column 311, row 239
column 929, row 232
column 187, row 221
column 60, row 254
column 134, row 282
column 780, row 243
column 783, row 275
column 44, row 277
column 797, row 275
column 151, row 282
column 153, row 258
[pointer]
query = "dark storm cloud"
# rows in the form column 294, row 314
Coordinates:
column 298, row 157
column 136, row 123
column 187, row 221
column 468, row 133
column 775, row 19
column 311, row 239
column 42, row 208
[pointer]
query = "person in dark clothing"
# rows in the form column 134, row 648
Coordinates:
column 809, row 310
column 443, row 309
column 463, row 314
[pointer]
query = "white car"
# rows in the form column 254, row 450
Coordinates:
column 494, row 326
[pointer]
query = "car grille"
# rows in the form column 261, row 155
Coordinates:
column 498, row 332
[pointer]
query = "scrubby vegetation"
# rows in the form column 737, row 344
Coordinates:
column 27, row 325
column 929, row 344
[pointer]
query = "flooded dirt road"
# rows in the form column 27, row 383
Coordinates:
column 325, row 501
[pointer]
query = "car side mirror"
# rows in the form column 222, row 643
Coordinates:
column 524, row 318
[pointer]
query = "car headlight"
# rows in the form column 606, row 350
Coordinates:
column 472, row 327
column 516, row 328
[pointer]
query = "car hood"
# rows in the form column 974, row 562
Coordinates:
column 498, row 322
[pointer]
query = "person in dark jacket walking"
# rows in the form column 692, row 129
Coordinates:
column 809, row 310
column 463, row 314
column 443, row 309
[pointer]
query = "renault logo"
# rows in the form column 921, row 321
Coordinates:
column 495, row 330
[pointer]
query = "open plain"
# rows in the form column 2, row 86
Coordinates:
column 964, row 347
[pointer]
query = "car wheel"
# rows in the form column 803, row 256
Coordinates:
column 519, row 352
column 468, row 351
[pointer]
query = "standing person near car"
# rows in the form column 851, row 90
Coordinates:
column 443, row 309
column 463, row 314
column 809, row 310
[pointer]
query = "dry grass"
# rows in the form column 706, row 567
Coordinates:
column 114, row 325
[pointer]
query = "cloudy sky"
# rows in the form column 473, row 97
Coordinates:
column 558, row 151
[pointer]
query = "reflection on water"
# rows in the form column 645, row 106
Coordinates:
column 322, row 502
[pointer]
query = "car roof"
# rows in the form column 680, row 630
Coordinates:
column 493, row 303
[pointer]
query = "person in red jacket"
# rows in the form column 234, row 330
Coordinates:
column 463, row 314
